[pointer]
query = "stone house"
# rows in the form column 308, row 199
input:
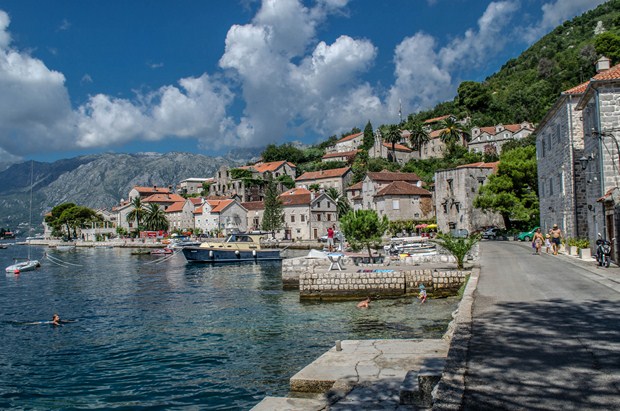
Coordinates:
column 376, row 181
column 144, row 192
column 254, row 216
column 599, row 106
column 220, row 215
column 345, row 156
column 180, row 215
column 338, row 178
column 347, row 143
column 193, row 186
column 354, row 195
column 401, row 153
column 224, row 185
column 306, row 215
column 455, row 190
column 400, row 200
column 493, row 138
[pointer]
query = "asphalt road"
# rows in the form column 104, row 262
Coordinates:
column 545, row 333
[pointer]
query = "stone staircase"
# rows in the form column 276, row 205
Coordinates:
column 417, row 387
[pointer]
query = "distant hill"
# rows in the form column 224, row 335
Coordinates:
column 525, row 88
column 94, row 181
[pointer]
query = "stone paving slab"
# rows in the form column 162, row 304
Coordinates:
column 367, row 361
column 289, row 404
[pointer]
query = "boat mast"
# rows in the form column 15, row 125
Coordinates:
column 30, row 215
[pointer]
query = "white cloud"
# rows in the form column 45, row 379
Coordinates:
column 5, row 37
column 64, row 25
column 555, row 13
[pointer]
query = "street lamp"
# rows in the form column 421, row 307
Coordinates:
column 583, row 160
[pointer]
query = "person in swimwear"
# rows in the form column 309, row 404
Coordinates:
column 364, row 304
column 55, row 319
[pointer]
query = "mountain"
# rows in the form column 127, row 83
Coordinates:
column 526, row 87
column 95, row 181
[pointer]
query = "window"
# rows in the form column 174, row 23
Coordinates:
column 292, row 218
column 449, row 181
column 303, row 218
column 551, row 186
column 318, row 217
column 329, row 217
column 318, row 204
column 416, row 215
column 395, row 205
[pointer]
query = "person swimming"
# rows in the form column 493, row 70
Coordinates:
column 364, row 304
column 55, row 319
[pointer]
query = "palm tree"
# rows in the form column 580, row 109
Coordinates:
column 418, row 135
column 342, row 203
column 155, row 218
column 137, row 213
column 391, row 134
column 453, row 131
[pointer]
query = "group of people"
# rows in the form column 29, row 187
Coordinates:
column 552, row 241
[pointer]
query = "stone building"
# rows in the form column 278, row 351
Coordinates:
column 193, row 186
column 144, row 192
column 347, row 144
column 345, row 156
column 599, row 106
column 226, row 186
column 220, row 215
column 306, row 215
column 256, row 210
column 561, row 184
column 455, row 190
column 180, row 215
column 400, row 200
column 376, row 181
column 484, row 139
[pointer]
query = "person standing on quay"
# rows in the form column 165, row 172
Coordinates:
column 330, row 238
column 556, row 238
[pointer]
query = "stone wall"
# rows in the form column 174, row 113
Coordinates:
column 379, row 282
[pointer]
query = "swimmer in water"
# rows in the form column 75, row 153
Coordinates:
column 364, row 304
column 55, row 319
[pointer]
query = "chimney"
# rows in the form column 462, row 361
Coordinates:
column 603, row 64
column 155, row 188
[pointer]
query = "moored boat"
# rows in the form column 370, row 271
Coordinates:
column 237, row 247
column 22, row 264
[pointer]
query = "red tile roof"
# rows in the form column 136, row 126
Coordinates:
column 198, row 210
column 403, row 189
column 253, row 205
column 611, row 74
column 176, row 207
column 393, row 176
column 163, row 198
column 437, row 119
column 398, row 147
column 356, row 186
column 151, row 190
column 351, row 153
column 577, row 89
column 196, row 200
column 513, row 128
column 296, row 196
column 481, row 164
column 349, row 137
column 322, row 174
column 219, row 205
column 271, row 166
column 436, row 133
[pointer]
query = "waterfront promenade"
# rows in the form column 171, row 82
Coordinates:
column 543, row 333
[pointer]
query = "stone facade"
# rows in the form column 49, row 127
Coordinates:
column 561, row 182
column 495, row 137
column 338, row 178
column 455, row 190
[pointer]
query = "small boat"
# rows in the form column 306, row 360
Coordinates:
column 22, row 264
column 66, row 247
column 409, row 245
column 237, row 247
column 3, row 246
column 162, row 251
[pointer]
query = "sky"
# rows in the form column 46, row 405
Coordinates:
column 84, row 77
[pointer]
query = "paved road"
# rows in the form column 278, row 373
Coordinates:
column 545, row 333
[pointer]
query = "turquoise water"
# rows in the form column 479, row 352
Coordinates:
column 172, row 335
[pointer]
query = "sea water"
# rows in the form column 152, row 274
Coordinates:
column 164, row 334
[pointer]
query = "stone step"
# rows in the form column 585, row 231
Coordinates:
column 289, row 404
column 417, row 387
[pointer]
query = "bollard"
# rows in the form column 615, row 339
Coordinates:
column 338, row 346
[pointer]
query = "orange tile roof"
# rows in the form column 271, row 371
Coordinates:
column 219, row 205
column 296, row 196
column 163, row 198
column 437, row 119
column 436, row 133
column 513, row 128
column 351, row 153
column 151, row 190
column 577, row 89
column 398, row 147
column 402, row 188
column 481, row 164
column 611, row 74
column 322, row 174
column 356, row 186
column 392, row 176
column 253, row 205
column 349, row 137
column 265, row 167
column 196, row 200
column 175, row 207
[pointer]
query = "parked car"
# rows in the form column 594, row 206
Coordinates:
column 527, row 235
column 491, row 233
column 338, row 236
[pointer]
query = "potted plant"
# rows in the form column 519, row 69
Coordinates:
column 584, row 248
column 571, row 246
column 457, row 246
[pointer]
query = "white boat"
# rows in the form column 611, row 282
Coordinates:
column 67, row 247
column 22, row 264
column 409, row 245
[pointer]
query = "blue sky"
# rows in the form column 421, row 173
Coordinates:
column 81, row 77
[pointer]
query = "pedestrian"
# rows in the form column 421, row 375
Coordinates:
column 547, row 243
column 422, row 294
column 538, row 240
column 330, row 238
column 556, row 238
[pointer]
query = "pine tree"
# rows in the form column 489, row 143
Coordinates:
column 273, row 216
column 369, row 137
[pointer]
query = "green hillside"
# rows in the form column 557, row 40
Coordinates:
column 526, row 87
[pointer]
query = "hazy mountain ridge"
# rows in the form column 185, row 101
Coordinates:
column 96, row 181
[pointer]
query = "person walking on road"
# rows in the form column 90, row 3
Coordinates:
column 539, row 239
column 556, row 238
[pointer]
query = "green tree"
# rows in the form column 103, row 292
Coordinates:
column 342, row 203
column 391, row 134
column 66, row 218
column 418, row 135
column 369, row 137
column 452, row 132
column 457, row 246
column 286, row 180
column 512, row 191
column 473, row 96
column 155, row 218
column 608, row 44
column 137, row 213
column 273, row 214
column 363, row 228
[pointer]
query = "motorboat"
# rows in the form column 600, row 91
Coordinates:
column 162, row 251
column 237, row 247
column 409, row 245
column 22, row 264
